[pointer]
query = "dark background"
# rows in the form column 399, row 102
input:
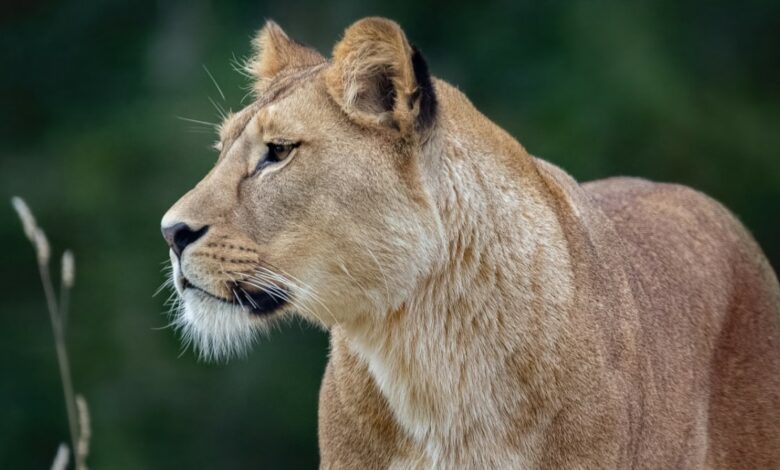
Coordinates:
column 679, row 90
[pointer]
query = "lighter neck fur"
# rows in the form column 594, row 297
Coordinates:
column 447, row 360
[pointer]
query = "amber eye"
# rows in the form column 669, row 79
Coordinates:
column 276, row 153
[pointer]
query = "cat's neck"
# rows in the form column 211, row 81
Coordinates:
column 476, row 342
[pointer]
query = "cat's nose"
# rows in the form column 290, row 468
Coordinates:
column 180, row 235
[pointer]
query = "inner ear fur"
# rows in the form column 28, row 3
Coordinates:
column 275, row 52
column 379, row 79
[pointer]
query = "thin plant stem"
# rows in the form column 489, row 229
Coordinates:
column 63, row 309
column 62, row 353
column 77, row 423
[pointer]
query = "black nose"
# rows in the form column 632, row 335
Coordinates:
column 180, row 235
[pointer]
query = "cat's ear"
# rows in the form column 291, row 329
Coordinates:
column 275, row 52
column 379, row 79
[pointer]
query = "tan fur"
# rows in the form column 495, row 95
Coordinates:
column 276, row 52
column 372, row 47
column 485, row 309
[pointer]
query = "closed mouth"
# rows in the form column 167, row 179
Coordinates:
column 257, row 302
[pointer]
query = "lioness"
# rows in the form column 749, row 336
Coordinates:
column 485, row 309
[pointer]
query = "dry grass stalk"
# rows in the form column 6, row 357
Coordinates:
column 25, row 215
column 68, row 269
column 82, row 447
column 62, row 458
column 42, row 249
column 67, row 280
column 76, row 406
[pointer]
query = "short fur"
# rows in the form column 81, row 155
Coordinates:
column 485, row 309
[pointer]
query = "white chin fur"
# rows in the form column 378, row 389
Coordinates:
column 217, row 331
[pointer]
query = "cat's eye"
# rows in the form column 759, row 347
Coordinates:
column 275, row 153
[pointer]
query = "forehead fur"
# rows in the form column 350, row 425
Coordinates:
column 377, row 78
column 276, row 89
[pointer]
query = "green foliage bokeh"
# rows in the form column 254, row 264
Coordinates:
column 684, row 91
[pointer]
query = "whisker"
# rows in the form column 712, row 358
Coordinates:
column 205, row 123
column 272, row 276
column 160, row 328
column 208, row 72
column 247, row 95
column 240, row 66
column 285, row 279
column 294, row 282
column 218, row 108
column 248, row 297
column 237, row 297
column 267, row 287
column 166, row 283
column 233, row 280
column 172, row 299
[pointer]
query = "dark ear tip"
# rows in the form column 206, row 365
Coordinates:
column 425, row 91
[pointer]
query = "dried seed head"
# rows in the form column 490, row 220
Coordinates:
column 68, row 265
column 85, row 431
column 61, row 459
column 26, row 216
column 41, row 246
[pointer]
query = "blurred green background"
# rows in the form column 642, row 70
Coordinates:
column 683, row 91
